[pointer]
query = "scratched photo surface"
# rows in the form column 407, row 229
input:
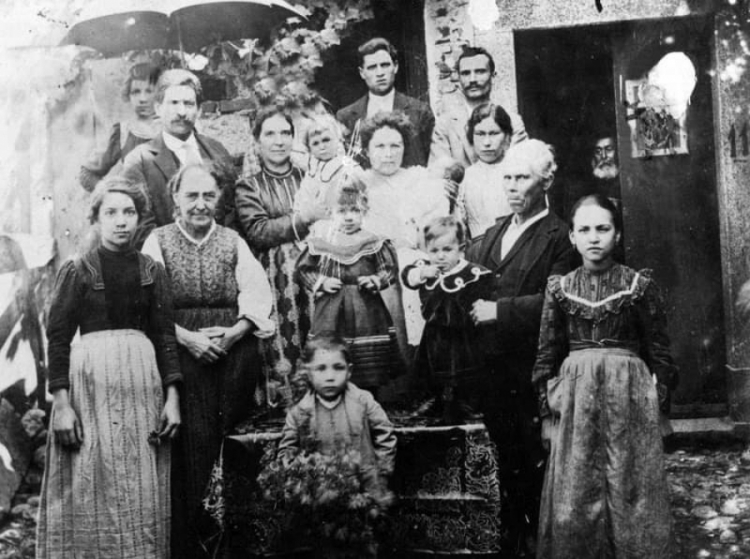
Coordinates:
column 643, row 104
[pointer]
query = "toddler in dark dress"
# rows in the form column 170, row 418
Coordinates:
column 450, row 353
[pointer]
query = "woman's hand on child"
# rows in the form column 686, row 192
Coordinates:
column 331, row 285
column 483, row 312
column 369, row 283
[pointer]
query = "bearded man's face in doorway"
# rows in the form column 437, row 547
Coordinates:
column 604, row 162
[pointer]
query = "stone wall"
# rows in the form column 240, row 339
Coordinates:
column 731, row 94
column 448, row 26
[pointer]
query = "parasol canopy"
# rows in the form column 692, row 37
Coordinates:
column 184, row 25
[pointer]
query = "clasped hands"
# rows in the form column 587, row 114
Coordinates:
column 210, row 344
column 366, row 283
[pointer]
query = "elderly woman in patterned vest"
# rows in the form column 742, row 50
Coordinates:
column 222, row 303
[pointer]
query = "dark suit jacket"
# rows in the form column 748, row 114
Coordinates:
column 153, row 164
column 421, row 117
column 520, row 279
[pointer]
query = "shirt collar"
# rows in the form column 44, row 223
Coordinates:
column 329, row 404
column 514, row 224
column 175, row 144
column 193, row 239
column 380, row 101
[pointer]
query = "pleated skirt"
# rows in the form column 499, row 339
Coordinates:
column 605, row 491
column 109, row 498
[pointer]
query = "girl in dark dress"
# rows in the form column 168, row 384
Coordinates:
column 603, row 372
column 346, row 272
column 106, row 489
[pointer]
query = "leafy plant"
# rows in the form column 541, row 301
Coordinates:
column 296, row 50
column 323, row 496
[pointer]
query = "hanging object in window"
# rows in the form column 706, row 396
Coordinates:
column 657, row 106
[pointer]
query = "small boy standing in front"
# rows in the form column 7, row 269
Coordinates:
column 336, row 416
column 450, row 352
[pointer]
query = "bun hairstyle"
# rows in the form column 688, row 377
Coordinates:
column 267, row 113
column 123, row 186
column 488, row 110
column 601, row 201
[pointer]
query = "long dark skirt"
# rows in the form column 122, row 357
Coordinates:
column 213, row 399
column 605, row 492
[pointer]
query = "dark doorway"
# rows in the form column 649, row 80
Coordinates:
column 566, row 97
column 402, row 23
column 571, row 85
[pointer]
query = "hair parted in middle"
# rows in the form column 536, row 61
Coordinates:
column 597, row 200
column 267, row 113
column 488, row 110
column 120, row 185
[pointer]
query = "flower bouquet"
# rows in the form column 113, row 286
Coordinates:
column 324, row 500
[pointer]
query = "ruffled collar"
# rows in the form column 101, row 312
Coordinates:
column 460, row 276
column 619, row 287
column 346, row 254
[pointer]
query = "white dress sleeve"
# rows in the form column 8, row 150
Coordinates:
column 151, row 248
column 255, row 299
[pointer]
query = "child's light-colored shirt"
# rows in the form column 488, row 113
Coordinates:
column 356, row 423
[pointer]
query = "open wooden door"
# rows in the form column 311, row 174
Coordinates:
column 572, row 84
column 669, row 198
